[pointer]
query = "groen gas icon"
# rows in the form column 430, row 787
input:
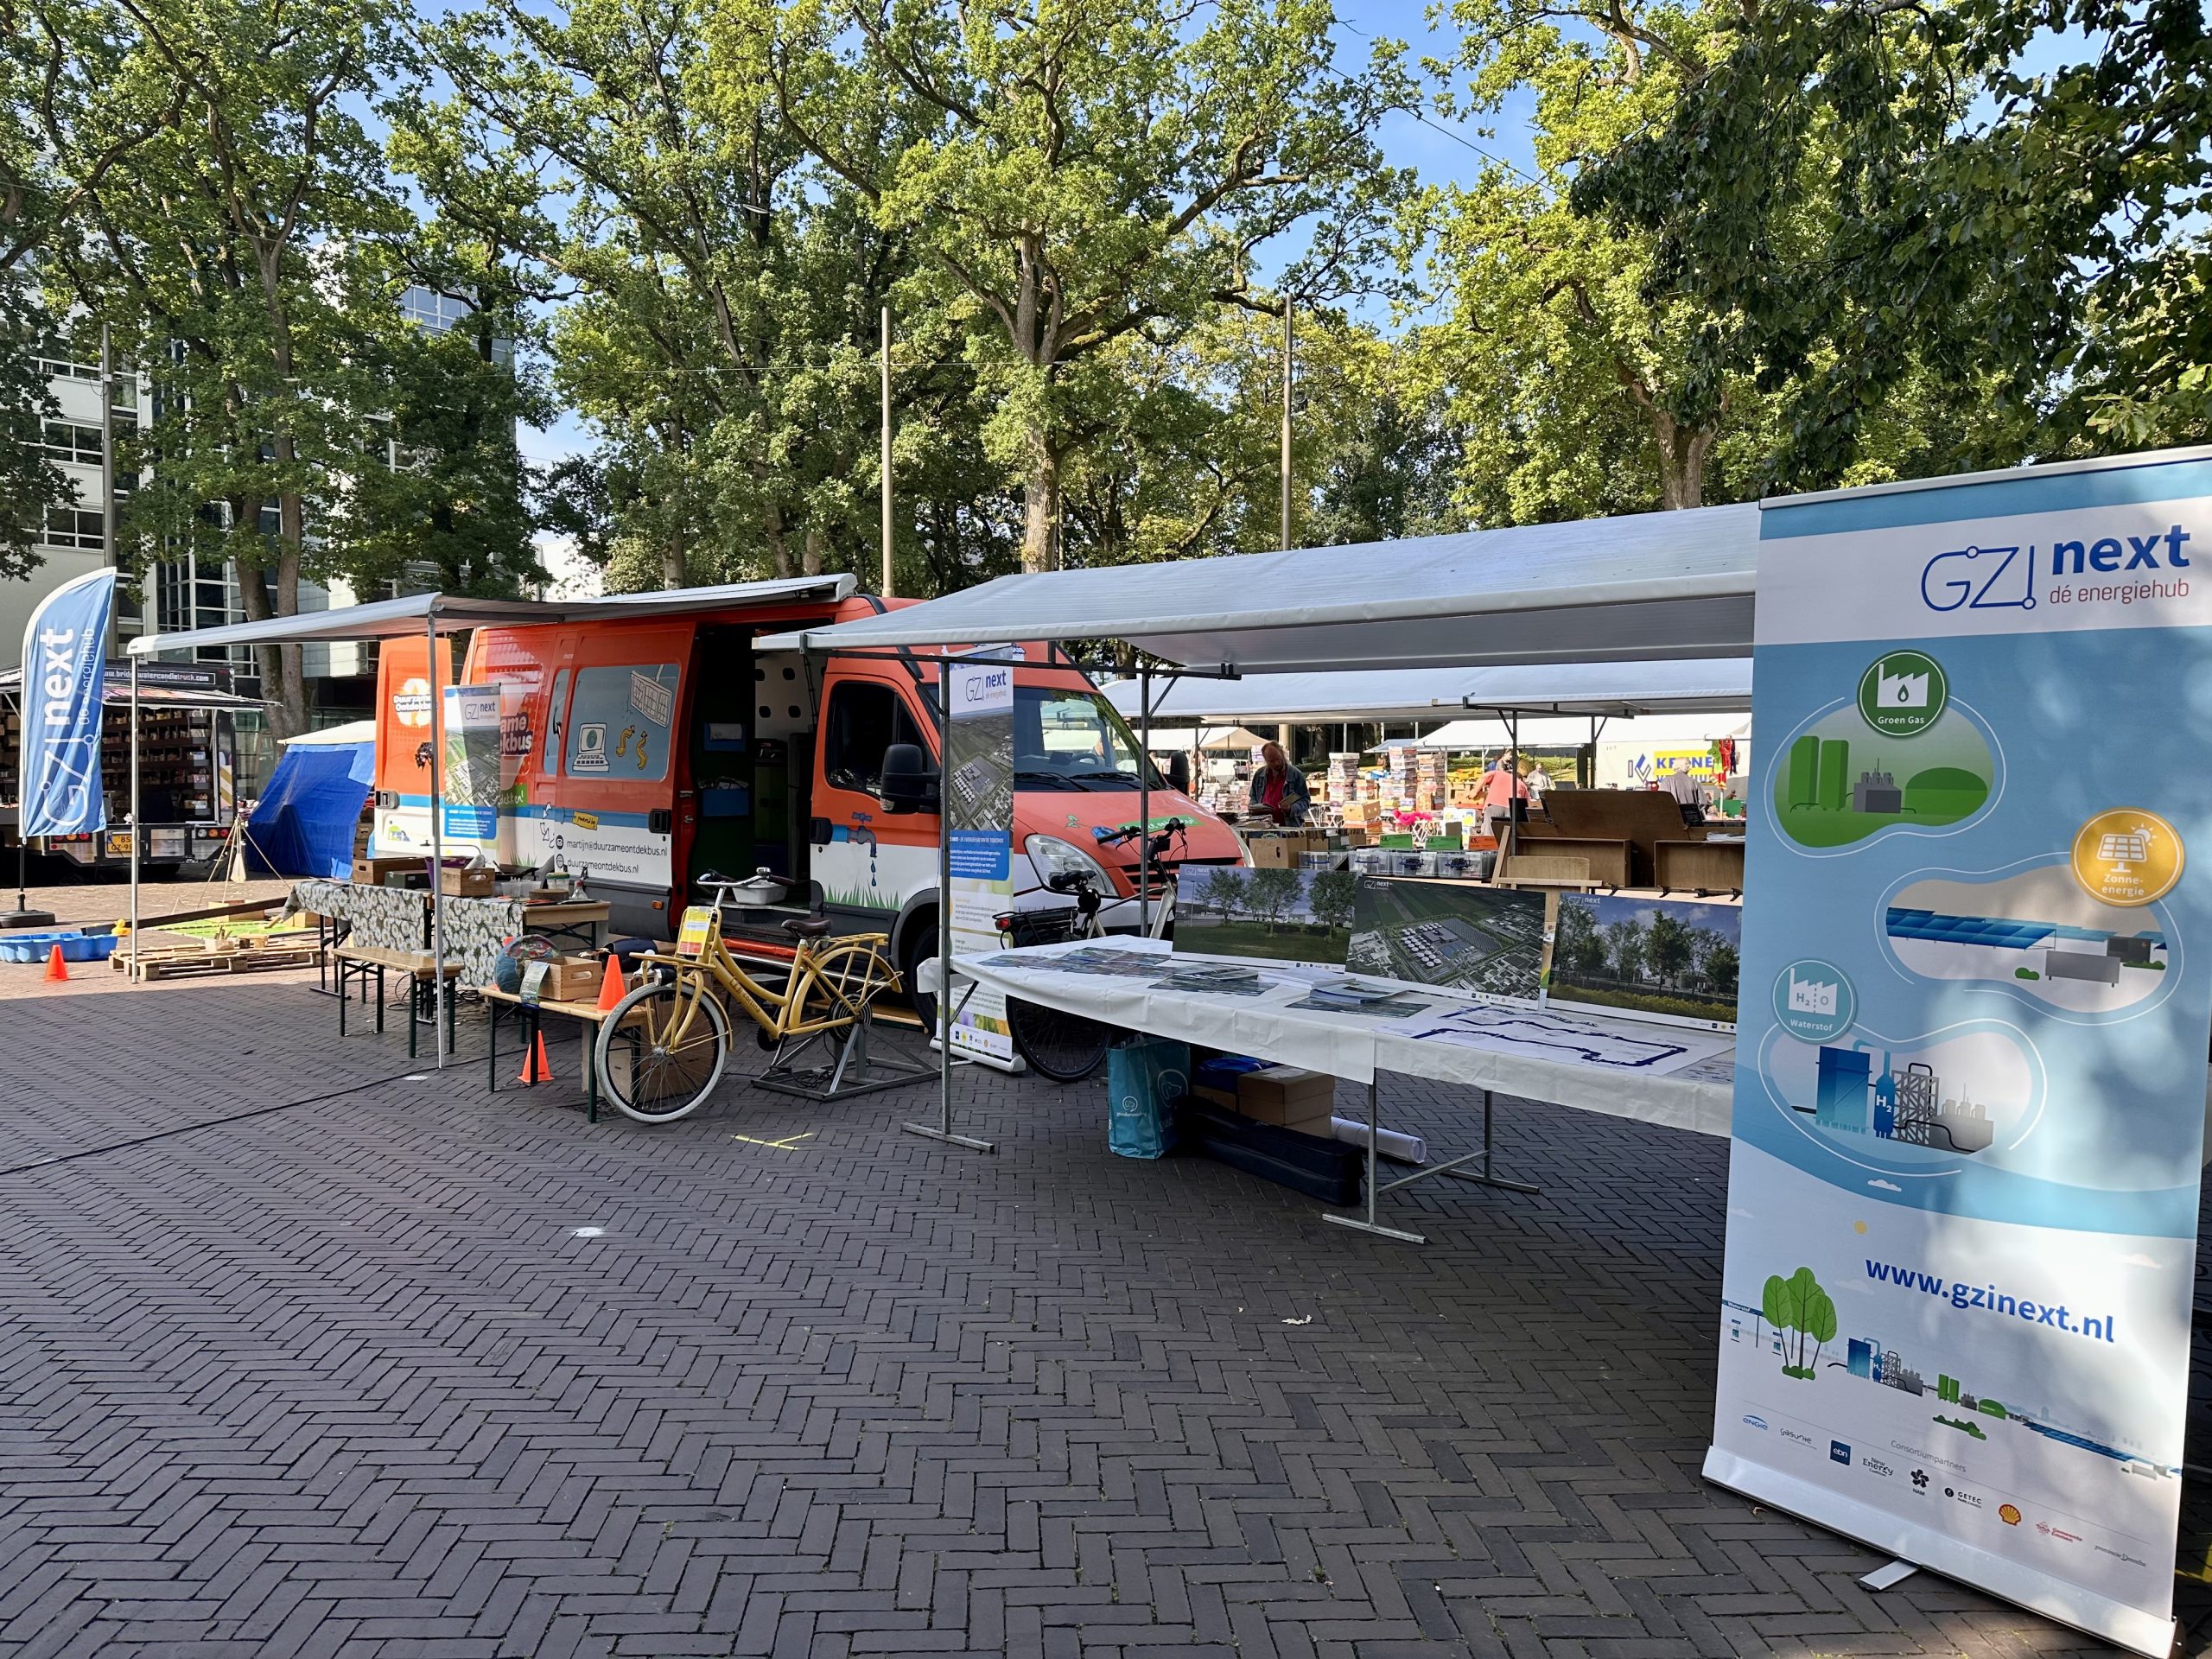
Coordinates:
column 1902, row 695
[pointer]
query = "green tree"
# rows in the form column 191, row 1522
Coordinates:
column 1624, row 942
column 1082, row 172
column 242, row 256
column 2030, row 247
column 1224, row 891
column 1577, row 944
column 720, row 331
column 1573, row 374
column 74, row 106
column 1667, row 947
column 1798, row 1304
column 1270, row 892
column 1334, row 896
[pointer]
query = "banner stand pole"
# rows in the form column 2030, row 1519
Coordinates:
column 1888, row 1578
column 942, row 1130
column 437, row 848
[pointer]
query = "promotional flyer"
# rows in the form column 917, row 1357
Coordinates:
column 470, row 783
column 1970, row 1097
column 978, row 819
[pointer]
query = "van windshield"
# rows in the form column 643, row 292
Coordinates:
column 1066, row 738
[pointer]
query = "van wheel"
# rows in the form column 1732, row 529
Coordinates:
column 919, row 946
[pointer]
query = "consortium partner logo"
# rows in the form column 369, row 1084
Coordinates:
column 1840, row 1451
column 1756, row 1422
column 1877, row 1466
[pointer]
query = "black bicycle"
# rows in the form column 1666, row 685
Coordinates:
column 1058, row 1045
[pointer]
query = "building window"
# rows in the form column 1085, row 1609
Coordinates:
column 439, row 313
column 66, row 441
column 55, row 362
column 66, row 527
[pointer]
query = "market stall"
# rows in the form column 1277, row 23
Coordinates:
column 186, row 724
column 430, row 618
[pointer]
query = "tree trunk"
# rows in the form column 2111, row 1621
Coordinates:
column 1040, row 502
column 779, row 551
column 283, row 678
column 811, row 558
column 1682, row 452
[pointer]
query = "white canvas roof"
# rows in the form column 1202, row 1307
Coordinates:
column 1641, row 731
column 412, row 614
column 1648, row 586
column 1712, row 684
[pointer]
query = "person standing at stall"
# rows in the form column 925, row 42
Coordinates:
column 1279, row 788
column 1503, row 785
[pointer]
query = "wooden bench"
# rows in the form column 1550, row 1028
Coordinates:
column 1703, row 867
column 364, row 962
column 588, row 1016
column 1543, row 870
column 1608, row 860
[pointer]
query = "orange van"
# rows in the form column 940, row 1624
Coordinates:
column 644, row 752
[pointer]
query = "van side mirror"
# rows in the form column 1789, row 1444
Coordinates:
column 1178, row 772
column 909, row 782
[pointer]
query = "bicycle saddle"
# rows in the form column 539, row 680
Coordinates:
column 807, row 927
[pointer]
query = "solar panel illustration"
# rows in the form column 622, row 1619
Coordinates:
column 1998, row 932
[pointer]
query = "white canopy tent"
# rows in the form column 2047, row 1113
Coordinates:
column 1717, row 685
column 431, row 615
column 1652, row 586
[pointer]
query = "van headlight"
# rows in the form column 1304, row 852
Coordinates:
column 1054, row 856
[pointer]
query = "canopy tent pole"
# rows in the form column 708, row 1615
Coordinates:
column 437, row 846
column 1144, row 798
column 134, row 816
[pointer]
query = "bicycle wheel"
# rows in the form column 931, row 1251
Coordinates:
column 662, row 1050
column 846, row 977
column 1063, row 1047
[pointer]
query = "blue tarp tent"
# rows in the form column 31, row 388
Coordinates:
column 303, row 823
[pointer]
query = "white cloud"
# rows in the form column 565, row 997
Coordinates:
column 1886, row 1187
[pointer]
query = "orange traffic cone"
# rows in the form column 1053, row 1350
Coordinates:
column 536, row 1068
column 612, row 989
column 57, row 970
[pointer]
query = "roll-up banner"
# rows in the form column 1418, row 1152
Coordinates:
column 978, row 808
column 1976, row 985
column 64, row 648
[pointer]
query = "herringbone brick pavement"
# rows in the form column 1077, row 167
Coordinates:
column 343, row 1380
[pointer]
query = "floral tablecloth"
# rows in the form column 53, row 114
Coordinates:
column 398, row 919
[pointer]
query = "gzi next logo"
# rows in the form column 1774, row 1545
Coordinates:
column 2004, row 578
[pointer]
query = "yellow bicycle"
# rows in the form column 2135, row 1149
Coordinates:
column 662, row 1048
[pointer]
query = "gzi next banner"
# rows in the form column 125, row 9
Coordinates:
column 978, row 793
column 1977, row 981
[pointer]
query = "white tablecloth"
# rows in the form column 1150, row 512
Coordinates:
column 1677, row 1076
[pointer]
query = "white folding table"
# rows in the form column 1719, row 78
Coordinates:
column 1292, row 1014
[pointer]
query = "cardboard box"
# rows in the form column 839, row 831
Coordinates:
column 467, row 884
column 1285, row 849
column 1287, row 1095
column 371, row 871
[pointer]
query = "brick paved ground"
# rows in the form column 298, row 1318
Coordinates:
column 87, row 903
column 342, row 1380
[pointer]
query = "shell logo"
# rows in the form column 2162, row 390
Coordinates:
column 410, row 704
column 2008, row 1514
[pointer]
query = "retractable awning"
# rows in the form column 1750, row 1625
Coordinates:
column 1708, row 685
column 1641, row 588
column 412, row 614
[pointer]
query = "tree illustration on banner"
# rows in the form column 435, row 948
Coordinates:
column 1799, row 1306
